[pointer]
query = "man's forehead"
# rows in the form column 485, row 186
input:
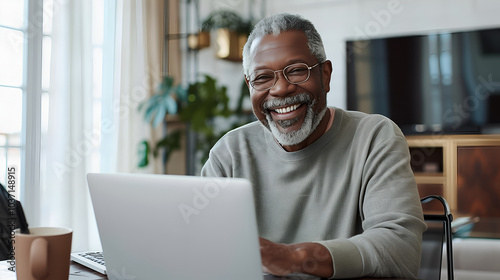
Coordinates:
column 287, row 39
column 269, row 40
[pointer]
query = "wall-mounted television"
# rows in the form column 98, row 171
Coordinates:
column 445, row 82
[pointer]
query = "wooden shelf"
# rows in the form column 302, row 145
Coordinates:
column 461, row 161
column 430, row 178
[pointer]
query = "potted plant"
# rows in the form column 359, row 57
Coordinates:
column 198, row 106
column 166, row 100
column 232, row 31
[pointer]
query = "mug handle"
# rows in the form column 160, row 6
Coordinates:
column 39, row 258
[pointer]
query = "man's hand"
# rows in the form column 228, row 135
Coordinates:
column 282, row 259
column 278, row 259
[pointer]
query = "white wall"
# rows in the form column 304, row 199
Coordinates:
column 338, row 20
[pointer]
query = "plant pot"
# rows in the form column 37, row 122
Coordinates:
column 199, row 40
column 230, row 44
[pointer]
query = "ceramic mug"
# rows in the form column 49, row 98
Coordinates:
column 44, row 253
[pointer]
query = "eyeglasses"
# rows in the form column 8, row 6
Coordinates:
column 296, row 73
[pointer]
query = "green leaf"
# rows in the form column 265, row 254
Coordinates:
column 143, row 154
column 165, row 85
column 170, row 105
column 171, row 142
column 182, row 93
column 160, row 116
column 224, row 18
column 163, row 101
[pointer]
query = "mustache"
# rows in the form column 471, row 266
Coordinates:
column 278, row 102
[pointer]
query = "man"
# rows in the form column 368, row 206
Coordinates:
column 335, row 195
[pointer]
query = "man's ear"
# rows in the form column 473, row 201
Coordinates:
column 247, row 82
column 327, row 70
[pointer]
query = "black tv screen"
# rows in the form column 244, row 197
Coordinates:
column 446, row 82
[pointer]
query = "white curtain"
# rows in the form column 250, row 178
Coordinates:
column 71, row 145
column 69, row 140
column 138, row 70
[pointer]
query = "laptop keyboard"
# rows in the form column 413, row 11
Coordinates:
column 93, row 260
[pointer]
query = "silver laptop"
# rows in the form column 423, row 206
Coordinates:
column 176, row 227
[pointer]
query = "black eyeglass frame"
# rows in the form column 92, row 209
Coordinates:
column 284, row 75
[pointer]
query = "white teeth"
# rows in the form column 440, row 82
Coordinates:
column 287, row 109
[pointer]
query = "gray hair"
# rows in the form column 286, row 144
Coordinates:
column 277, row 23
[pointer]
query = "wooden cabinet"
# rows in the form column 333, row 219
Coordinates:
column 464, row 169
column 478, row 180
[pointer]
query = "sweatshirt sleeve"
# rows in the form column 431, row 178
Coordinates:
column 211, row 169
column 392, row 219
column 213, row 166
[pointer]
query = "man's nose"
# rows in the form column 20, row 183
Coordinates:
column 282, row 87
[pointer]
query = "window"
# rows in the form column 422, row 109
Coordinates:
column 25, row 57
column 12, row 87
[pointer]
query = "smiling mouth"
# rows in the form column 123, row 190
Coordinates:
column 285, row 105
column 287, row 109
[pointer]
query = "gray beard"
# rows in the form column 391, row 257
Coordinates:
column 309, row 125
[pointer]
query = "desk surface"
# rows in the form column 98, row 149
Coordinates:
column 76, row 271
column 80, row 272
